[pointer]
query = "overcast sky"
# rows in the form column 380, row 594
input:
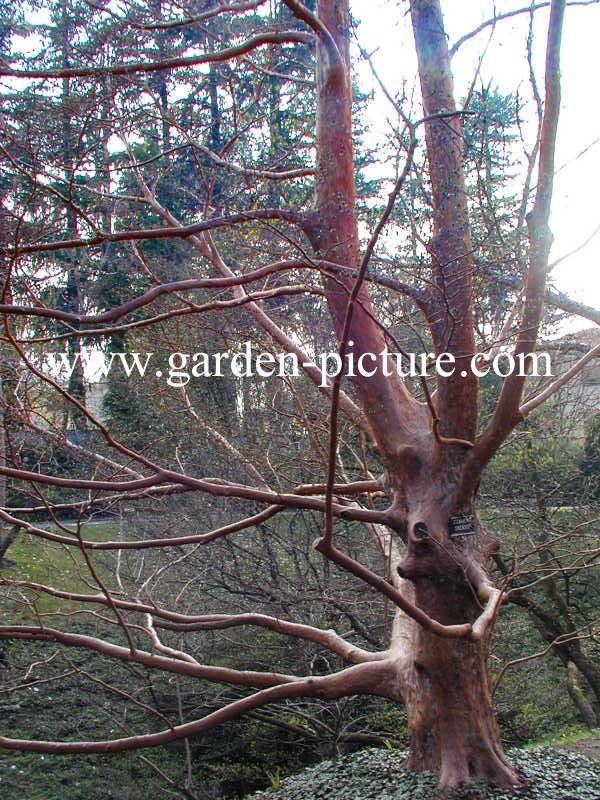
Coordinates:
column 385, row 28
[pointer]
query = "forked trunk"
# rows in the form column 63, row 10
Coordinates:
column 442, row 681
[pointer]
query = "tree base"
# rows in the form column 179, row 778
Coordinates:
column 459, row 769
column 452, row 727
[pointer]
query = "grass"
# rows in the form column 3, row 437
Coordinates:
column 574, row 733
column 68, row 708
column 39, row 560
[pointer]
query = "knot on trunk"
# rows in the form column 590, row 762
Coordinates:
column 433, row 555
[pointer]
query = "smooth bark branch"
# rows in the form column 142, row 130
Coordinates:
column 563, row 380
column 508, row 15
column 61, row 440
column 419, row 296
column 278, row 335
column 190, row 284
column 346, row 327
column 356, row 487
column 224, row 444
column 168, row 288
column 217, row 488
column 328, row 639
column 175, row 232
column 284, row 37
column 483, row 623
column 565, row 303
column 553, row 297
column 144, row 544
column 450, row 314
column 137, row 656
column 393, row 415
column 506, row 414
column 264, row 174
column 189, row 308
column 82, row 483
column 342, row 489
column 91, row 505
column 190, row 20
column 372, row 678
column 386, row 588
column 171, row 620
column 560, row 640
column 300, row 11
column 150, row 630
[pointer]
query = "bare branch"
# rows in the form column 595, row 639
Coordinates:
column 565, row 378
column 284, row 37
column 507, row 15
column 144, row 544
column 360, row 679
column 300, row 11
column 382, row 585
column 171, row 620
column 219, row 488
column 345, row 333
column 175, row 232
column 560, row 640
column 506, row 414
column 137, row 656
column 192, row 19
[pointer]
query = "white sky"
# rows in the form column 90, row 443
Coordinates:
column 385, row 28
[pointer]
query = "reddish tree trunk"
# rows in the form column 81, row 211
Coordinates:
column 442, row 682
column 452, row 728
column 431, row 453
column 445, row 689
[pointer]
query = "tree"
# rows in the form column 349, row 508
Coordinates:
column 422, row 513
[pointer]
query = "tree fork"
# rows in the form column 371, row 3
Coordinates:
column 443, row 682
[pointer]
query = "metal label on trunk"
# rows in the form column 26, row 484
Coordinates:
column 460, row 526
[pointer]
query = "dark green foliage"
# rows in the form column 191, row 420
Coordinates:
column 39, row 710
column 531, row 699
column 236, row 758
column 590, row 463
column 538, row 468
column 47, row 777
column 381, row 775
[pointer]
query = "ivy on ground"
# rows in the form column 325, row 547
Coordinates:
column 547, row 774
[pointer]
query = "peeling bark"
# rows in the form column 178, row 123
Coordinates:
column 393, row 415
column 445, row 686
column 430, row 479
column 442, row 681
